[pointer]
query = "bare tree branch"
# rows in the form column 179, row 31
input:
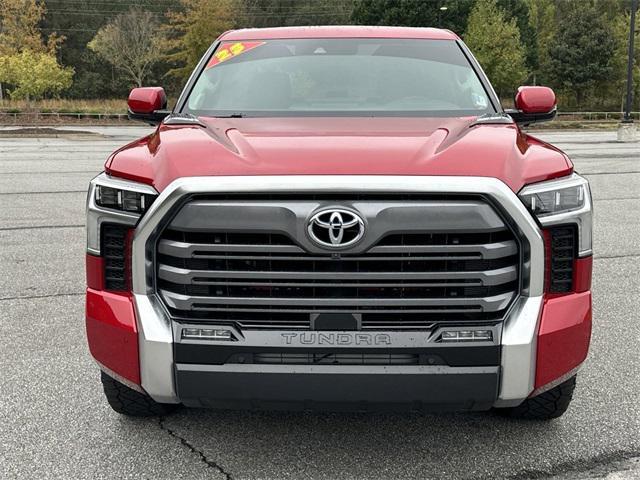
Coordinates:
column 132, row 43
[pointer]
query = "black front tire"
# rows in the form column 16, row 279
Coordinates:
column 127, row 401
column 546, row 406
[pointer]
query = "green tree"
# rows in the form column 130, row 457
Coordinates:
column 21, row 44
column 131, row 43
column 34, row 75
column 495, row 42
column 413, row 13
column 609, row 93
column 278, row 13
column 581, row 53
column 519, row 11
column 19, row 28
column 191, row 31
column 79, row 21
column 542, row 20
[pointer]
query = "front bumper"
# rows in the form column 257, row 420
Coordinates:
column 179, row 373
column 506, row 382
column 468, row 377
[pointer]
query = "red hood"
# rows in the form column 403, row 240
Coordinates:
column 339, row 146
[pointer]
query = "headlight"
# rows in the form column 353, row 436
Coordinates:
column 557, row 196
column 565, row 201
column 115, row 201
column 119, row 199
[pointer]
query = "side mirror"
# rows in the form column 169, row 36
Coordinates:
column 533, row 104
column 148, row 104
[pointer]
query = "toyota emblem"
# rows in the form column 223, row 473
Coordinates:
column 335, row 228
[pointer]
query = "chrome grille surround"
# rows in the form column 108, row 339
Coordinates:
column 519, row 327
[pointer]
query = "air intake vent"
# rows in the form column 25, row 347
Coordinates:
column 114, row 252
column 562, row 246
column 335, row 358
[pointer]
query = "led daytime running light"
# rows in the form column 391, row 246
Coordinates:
column 551, row 198
column 125, row 200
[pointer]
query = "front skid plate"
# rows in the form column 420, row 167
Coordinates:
column 321, row 387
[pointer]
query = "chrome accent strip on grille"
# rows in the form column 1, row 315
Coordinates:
column 484, row 304
column 188, row 250
column 518, row 363
column 485, row 277
column 488, row 251
column 194, row 250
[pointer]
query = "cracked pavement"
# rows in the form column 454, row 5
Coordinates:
column 55, row 422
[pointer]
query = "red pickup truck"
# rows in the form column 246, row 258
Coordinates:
column 339, row 217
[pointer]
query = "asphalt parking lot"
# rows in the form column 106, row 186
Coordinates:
column 54, row 422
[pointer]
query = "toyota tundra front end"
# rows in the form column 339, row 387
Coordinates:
column 339, row 217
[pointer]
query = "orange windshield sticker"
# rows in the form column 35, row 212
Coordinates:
column 229, row 50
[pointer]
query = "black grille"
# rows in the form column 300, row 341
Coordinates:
column 113, row 248
column 562, row 243
column 405, row 281
column 336, row 358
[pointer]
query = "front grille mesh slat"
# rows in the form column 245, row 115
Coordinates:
column 404, row 281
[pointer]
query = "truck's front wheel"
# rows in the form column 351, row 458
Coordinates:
column 546, row 406
column 129, row 402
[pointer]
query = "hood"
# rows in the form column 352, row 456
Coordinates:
column 339, row 146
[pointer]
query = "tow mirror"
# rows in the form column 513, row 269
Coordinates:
column 148, row 104
column 533, row 104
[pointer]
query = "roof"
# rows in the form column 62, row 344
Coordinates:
column 351, row 31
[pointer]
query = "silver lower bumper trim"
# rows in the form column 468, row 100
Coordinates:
column 518, row 361
column 155, row 344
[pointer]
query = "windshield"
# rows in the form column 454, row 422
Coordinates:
column 338, row 77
